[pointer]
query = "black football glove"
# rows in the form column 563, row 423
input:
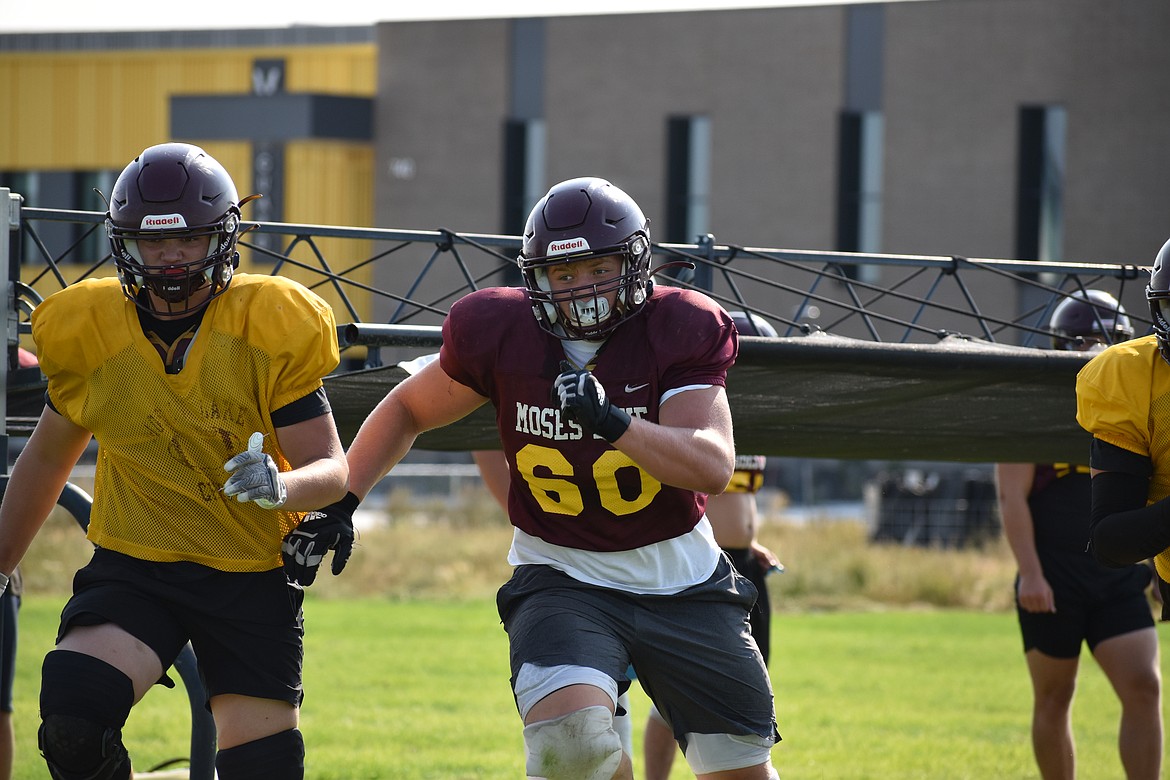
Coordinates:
column 327, row 529
column 582, row 399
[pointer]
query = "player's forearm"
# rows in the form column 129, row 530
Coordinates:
column 1021, row 538
column 32, row 492
column 694, row 459
column 383, row 440
column 18, row 528
column 1123, row 530
column 316, row 484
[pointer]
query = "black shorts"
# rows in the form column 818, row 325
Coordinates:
column 246, row 628
column 693, row 651
column 1093, row 603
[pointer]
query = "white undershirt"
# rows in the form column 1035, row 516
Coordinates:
column 662, row 568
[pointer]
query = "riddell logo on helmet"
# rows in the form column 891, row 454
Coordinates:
column 163, row 221
column 569, row 245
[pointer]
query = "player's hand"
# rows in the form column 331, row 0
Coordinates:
column 1035, row 594
column 254, row 476
column 582, row 398
column 766, row 559
column 328, row 529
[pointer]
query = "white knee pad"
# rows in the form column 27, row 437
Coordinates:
column 579, row 746
column 707, row 753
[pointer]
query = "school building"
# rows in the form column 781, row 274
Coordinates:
column 1031, row 129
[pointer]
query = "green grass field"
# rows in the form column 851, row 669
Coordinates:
column 888, row 661
column 419, row 689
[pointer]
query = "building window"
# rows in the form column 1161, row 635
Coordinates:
column 83, row 244
column 1040, row 183
column 525, row 147
column 94, row 245
column 524, row 176
column 524, row 155
column 688, row 178
column 859, row 187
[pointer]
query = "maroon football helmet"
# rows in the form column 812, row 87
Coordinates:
column 755, row 325
column 1089, row 317
column 580, row 219
column 170, row 191
column 1158, row 295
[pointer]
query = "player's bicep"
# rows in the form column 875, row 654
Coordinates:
column 433, row 399
column 1014, row 480
column 310, row 440
column 702, row 408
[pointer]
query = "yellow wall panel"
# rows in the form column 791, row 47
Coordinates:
column 96, row 110
column 93, row 110
column 344, row 196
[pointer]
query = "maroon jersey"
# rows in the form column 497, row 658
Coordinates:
column 571, row 488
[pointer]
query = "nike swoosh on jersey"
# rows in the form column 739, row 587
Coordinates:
column 636, row 388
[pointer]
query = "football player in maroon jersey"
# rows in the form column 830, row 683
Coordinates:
column 612, row 411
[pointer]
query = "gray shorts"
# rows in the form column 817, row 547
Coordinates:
column 693, row 651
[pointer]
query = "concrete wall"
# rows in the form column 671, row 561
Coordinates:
column 954, row 76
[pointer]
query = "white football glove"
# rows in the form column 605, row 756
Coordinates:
column 255, row 476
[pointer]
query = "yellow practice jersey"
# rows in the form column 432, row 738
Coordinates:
column 748, row 476
column 1123, row 398
column 163, row 438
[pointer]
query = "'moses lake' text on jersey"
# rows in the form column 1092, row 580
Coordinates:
column 571, row 488
column 163, row 439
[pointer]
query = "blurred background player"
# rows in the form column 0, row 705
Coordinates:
column 9, row 611
column 10, row 634
column 1064, row 597
column 735, row 519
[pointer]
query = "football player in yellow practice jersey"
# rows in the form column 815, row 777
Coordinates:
column 203, row 391
column 1066, row 599
column 1122, row 397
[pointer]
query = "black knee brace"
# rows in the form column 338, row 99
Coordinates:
column 277, row 757
column 84, row 704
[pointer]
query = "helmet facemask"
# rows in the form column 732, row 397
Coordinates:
column 167, row 290
column 584, row 312
column 1160, row 314
column 1158, row 297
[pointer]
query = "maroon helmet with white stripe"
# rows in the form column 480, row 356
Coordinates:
column 581, row 219
column 174, row 190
